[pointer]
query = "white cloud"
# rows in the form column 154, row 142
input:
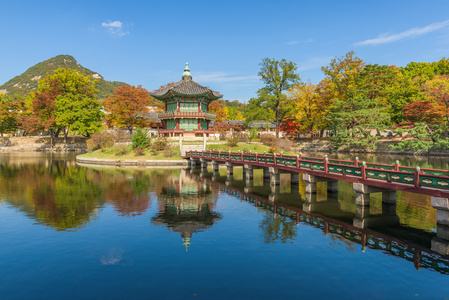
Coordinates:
column 300, row 42
column 417, row 31
column 115, row 28
column 221, row 77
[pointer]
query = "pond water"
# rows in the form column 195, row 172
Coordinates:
column 75, row 232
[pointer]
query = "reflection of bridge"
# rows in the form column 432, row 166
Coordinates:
column 420, row 255
column 367, row 178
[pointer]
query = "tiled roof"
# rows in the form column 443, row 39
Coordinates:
column 186, row 86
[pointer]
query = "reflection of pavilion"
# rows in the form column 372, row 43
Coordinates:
column 185, row 206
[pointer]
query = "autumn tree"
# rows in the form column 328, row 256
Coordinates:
column 128, row 107
column 308, row 110
column 278, row 77
column 235, row 113
column 437, row 90
column 341, row 75
column 219, row 108
column 10, row 109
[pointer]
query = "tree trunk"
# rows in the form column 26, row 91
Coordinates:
column 66, row 132
column 277, row 120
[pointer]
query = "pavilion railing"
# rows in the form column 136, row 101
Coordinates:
column 187, row 114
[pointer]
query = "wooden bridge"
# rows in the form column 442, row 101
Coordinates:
column 367, row 178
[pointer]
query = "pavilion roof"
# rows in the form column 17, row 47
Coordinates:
column 186, row 87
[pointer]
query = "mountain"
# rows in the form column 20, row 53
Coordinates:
column 27, row 81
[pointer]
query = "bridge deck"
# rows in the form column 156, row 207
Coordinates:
column 432, row 182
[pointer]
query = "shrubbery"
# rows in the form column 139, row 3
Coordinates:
column 233, row 139
column 106, row 139
column 275, row 143
column 121, row 150
column 285, row 144
column 268, row 139
column 139, row 139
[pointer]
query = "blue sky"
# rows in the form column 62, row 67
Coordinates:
column 148, row 42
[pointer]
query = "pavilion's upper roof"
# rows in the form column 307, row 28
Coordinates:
column 185, row 87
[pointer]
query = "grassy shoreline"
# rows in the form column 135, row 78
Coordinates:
column 246, row 147
column 116, row 152
column 113, row 153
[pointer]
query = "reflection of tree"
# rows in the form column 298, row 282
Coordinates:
column 277, row 229
column 129, row 194
column 54, row 194
column 129, row 190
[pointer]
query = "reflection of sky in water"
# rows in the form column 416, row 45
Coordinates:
column 246, row 253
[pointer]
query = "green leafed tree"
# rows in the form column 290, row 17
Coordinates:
column 352, row 122
column 423, row 137
column 278, row 77
column 258, row 109
column 65, row 100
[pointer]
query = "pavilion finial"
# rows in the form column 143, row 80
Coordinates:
column 186, row 74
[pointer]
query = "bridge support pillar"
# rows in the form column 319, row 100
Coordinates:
column 440, row 243
column 363, row 191
column 194, row 162
column 215, row 166
column 249, row 171
column 311, row 181
column 203, row 163
column 230, row 169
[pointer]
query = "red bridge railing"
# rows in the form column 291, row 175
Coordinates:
column 396, row 174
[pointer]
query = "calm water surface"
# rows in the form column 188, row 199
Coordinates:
column 73, row 232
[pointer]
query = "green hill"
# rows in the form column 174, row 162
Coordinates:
column 28, row 81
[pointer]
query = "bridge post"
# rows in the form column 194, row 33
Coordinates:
column 230, row 169
column 275, row 176
column 194, row 162
column 215, row 166
column 311, row 181
column 203, row 163
column 363, row 191
column 249, row 171
column 440, row 243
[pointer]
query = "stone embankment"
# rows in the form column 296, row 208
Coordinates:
column 130, row 162
column 324, row 145
column 42, row 144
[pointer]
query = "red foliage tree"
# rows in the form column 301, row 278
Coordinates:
column 290, row 127
column 422, row 111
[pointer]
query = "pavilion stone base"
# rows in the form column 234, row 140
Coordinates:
column 186, row 136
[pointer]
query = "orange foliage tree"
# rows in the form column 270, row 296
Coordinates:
column 220, row 109
column 129, row 107
column 437, row 90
